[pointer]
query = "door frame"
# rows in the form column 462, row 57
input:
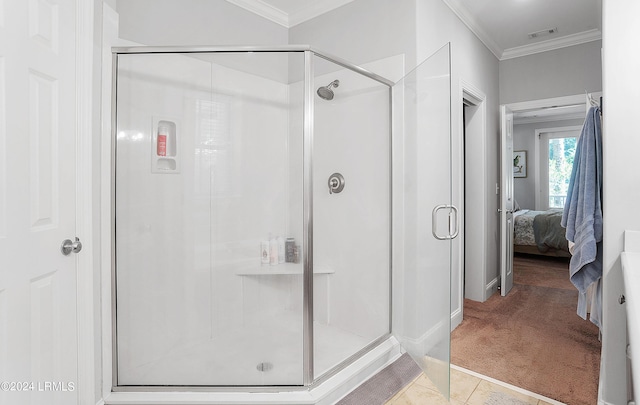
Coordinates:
column 539, row 104
column 87, row 224
column 473, row 286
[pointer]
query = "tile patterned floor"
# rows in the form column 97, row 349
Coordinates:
column 467, row 388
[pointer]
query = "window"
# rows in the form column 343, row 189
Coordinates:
column 557, row 150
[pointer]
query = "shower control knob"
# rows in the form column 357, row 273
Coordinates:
column 336, row 183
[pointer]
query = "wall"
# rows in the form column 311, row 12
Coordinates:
column 524, row 139
column 566, row 71
column 416, row 29
column 195, row 22
column 473, row 67
column 351, row 229
column 621, row 85
column 363, row 31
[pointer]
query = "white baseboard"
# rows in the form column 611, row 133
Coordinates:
column 491, row 288
column 456, row 318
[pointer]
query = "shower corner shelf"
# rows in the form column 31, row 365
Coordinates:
column 280, row 269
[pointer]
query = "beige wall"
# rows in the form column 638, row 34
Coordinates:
column 195, row 22
column 561, row 72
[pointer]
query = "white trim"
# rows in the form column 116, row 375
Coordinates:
column 471, row 23
column 536, row 157
column 551, row 44
column 476, row 98
column 314, row 10
column 263, row 9
column 491, row 288
column 456, row 318
column 285, row 19
column 507, row 385
column 85, row 169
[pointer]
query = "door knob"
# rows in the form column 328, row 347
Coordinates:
column 69, row 246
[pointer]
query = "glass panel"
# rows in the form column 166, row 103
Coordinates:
column 208, row 193
column 561, row 153
column 351, row 220
column 422, row 311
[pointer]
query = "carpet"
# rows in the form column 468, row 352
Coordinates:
column 385, row 384
column 533, row 338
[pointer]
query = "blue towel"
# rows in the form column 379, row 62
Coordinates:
column 582, row 215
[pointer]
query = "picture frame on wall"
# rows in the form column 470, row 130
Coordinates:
column 520, row 163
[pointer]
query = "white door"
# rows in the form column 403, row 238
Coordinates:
column 38, row 343
column 506, row 200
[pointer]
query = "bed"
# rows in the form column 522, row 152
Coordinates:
column 539, row 233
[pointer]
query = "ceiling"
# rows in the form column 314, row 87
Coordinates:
column 502, row 25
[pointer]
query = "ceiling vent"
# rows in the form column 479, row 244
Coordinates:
column 542, row 33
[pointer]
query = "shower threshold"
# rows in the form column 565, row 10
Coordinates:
column 266, row 361
column 327, row 392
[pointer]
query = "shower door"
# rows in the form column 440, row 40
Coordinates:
column 207, row 192
column 424, row 220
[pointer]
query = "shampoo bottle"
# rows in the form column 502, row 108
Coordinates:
column 289, row 247
column 281, row 250
column 273, row 251
column 264, row 252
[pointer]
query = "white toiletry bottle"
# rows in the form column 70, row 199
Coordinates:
column 281, row 251
column 273, row 250
column 264, row 252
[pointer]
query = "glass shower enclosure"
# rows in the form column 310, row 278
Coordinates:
column 258, row 239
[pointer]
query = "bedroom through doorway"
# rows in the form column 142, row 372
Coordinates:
column 508, row 330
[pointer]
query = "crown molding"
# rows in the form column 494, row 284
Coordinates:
column 278, row 16
column 473, row 25
column 263, row 9
column 516, row 52
column 551, row 44
column 317, row 8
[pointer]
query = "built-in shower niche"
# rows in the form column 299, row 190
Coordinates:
column 164, row 146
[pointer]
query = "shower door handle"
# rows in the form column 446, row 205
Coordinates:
column 434, row 222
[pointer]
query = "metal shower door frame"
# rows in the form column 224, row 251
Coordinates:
column 309, row 380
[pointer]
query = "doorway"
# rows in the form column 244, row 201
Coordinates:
column 487, row 330
column 473, row 274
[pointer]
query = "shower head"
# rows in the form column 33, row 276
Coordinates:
column 325, row 92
